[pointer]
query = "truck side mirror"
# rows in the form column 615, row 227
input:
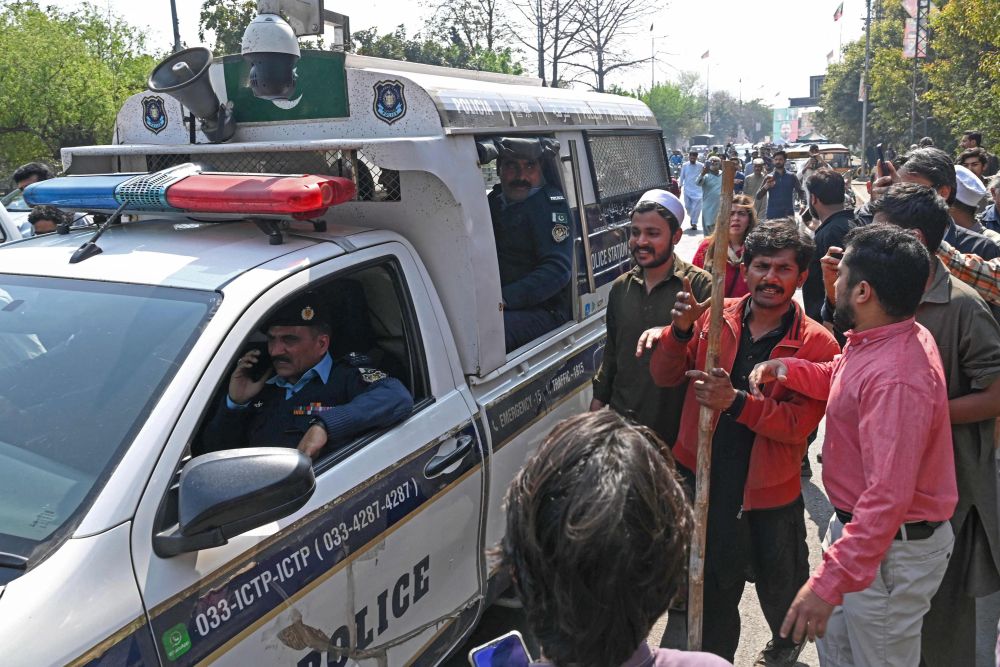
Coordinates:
column 224, row 494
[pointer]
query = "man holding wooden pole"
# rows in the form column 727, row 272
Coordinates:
column 746, row 450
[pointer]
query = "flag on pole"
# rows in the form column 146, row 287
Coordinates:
column 651, row 27
column 704, row 55
column 829, row 56
column 840, row 12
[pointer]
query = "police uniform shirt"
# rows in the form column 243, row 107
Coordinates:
column 348, row 398
column 534, row 240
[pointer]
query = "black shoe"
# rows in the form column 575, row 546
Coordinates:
column 779, row 657
column 807, row 470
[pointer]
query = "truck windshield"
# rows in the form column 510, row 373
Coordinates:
column 82, row 363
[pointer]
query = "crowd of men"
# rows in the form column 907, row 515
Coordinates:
column 897, row 345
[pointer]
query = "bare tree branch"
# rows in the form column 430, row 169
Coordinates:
column 605, row 27
column 475, row 24
column 554, row 25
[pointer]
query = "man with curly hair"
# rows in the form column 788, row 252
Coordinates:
column 598, row 529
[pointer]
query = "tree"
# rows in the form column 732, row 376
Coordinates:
column 227, row 19
column 677, row 108
column 962, row 69
column 64, row 76
column 840, row 115
column 397, row 46
column 755, row 117
column 965, row 71
column 475, row 24
column 606, row 26
column 889, row 89
column 554, row 26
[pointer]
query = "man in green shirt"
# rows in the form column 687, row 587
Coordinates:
column 642, row 299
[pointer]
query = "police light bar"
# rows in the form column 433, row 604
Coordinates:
column 186, row 189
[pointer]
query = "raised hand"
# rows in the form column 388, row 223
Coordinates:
column 829, row 264
column 883, row 183
column 686, row 309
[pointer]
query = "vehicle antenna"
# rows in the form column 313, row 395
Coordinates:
column 90, row 248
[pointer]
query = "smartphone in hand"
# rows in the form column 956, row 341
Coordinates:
column 507, row 650
column 263, row 364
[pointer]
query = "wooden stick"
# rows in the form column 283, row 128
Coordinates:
column 706, row 417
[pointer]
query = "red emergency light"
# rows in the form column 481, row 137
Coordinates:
column 301, row 197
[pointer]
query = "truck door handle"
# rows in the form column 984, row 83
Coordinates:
column 441, row 462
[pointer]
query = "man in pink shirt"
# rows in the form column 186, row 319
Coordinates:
column 888, row 465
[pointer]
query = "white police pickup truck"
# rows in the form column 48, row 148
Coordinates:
column 118, row 543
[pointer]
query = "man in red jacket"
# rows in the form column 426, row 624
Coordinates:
column 756, row 526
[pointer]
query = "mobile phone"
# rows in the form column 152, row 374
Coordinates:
column 263, row 364
column 836, row 255
column 506, row 650
column 881, row 159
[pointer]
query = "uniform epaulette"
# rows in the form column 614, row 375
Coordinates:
column 356, row 359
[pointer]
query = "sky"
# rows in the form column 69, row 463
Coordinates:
column 760, row 49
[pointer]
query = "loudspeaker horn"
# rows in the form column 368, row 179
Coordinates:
column 184, row 76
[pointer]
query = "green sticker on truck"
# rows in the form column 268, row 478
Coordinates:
column 176, row 641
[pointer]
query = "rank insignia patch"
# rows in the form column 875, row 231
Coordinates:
column 371, row 375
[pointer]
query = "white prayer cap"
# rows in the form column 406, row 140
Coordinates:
column 970, row 189
column 667, row 201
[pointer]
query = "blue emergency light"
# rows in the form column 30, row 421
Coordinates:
column 185, row 189
column 82, row 193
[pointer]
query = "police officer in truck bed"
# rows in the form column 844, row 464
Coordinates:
column 305, row 399
column 534, row 236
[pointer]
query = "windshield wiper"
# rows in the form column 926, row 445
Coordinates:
column 13, row 561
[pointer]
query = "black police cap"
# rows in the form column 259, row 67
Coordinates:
column 305, row 310
column 518, row 148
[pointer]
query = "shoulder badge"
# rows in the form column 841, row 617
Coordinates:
column 371, row 375
column 560, row 233
column 154, row 114
column 390, row 102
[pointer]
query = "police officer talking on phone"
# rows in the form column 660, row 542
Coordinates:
column 304, row 399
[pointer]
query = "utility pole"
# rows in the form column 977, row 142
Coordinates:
column 177, row 29
column 920, row 48
column 652, row 58
column 708, row 95
column 864, row 87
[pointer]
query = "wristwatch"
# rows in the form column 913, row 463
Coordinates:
column 316, row 421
